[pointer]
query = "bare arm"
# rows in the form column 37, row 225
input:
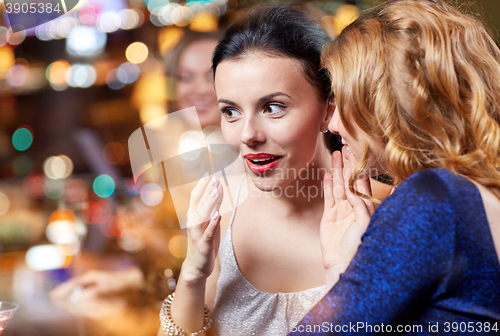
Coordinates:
column 200, row 270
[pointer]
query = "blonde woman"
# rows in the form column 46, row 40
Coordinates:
column 417, row 86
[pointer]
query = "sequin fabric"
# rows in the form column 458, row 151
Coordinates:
column 242, row 310
column 427, row 259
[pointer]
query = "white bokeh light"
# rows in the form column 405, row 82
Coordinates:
column 151, row 194
column 85, row 41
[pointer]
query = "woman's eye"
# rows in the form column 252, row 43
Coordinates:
column 274, row 109
column 230, row 114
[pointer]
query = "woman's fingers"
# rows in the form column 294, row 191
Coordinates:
column 364, row 186
column 211, row 199
column 338, row 177
column 328, row 192
column 213, row 226
column 198, row 192
column 360, row 210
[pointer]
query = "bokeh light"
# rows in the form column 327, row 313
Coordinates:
column 154, row 6
column 97, row 213
column 136, row 52
column 68, row 165
column 16, row 38
column 88, row 14
column 33, row 185
column 76, row 190
column 81, row 75
column 150, row 112
column 128, row 72
column 112, row 80
column 46, row 257
column 130, row 19
column 4, row 204
column 109, row 22
column 53, row 189
column 114, row 152
column 344, row 15
column 56, row 29
column 22, row 166
column 168, row 38
column 104, row 186
column 111, row 228
column 189, row 142
column 130, row 240
column 86, row 41
column 151, row 194
column 17, row 75
column 7, row 60
column 62, row 227
column 22, row 139
column 58, row 167
column 57, row 72
column 204, row 22
column 164, row 15
column 177, row 246
column 182, row 16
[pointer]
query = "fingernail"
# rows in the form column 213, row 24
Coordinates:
column 214, row 193
column 205, row 177
column 213, row 181
column 215, row 215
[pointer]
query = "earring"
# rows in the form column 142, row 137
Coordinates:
column 325, row 129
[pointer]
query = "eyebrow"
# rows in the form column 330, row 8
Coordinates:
column 261, row 99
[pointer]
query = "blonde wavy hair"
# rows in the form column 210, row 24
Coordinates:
column 423, row 80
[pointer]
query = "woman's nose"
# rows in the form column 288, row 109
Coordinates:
column 252, row 133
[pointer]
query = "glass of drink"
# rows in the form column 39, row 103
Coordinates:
column 7, row 310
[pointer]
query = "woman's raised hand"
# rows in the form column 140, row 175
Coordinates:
column 345, row 219
column 203, row 227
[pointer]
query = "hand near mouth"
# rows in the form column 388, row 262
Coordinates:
column 345, row 219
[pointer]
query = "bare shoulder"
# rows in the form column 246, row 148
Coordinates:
column 492, row 208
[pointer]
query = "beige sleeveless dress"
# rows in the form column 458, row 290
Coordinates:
column 240, row 309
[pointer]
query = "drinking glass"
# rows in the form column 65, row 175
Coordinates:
column 7, row 310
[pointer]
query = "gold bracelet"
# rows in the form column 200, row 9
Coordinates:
column 172, row 329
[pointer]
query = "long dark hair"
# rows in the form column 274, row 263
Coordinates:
column 281, row 31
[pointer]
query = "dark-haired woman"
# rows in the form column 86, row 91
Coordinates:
column 270, row 268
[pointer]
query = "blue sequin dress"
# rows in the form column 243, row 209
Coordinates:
column 427, row 260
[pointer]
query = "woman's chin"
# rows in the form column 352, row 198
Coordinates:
column 266, row 184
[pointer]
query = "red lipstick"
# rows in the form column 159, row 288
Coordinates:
column 261, row 162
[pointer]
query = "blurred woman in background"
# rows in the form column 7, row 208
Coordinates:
column 189, row 75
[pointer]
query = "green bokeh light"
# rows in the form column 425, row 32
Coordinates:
column 104, row 185
column 22, row 139
column 22, row 166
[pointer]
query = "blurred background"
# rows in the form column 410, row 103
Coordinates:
column 72, row 91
